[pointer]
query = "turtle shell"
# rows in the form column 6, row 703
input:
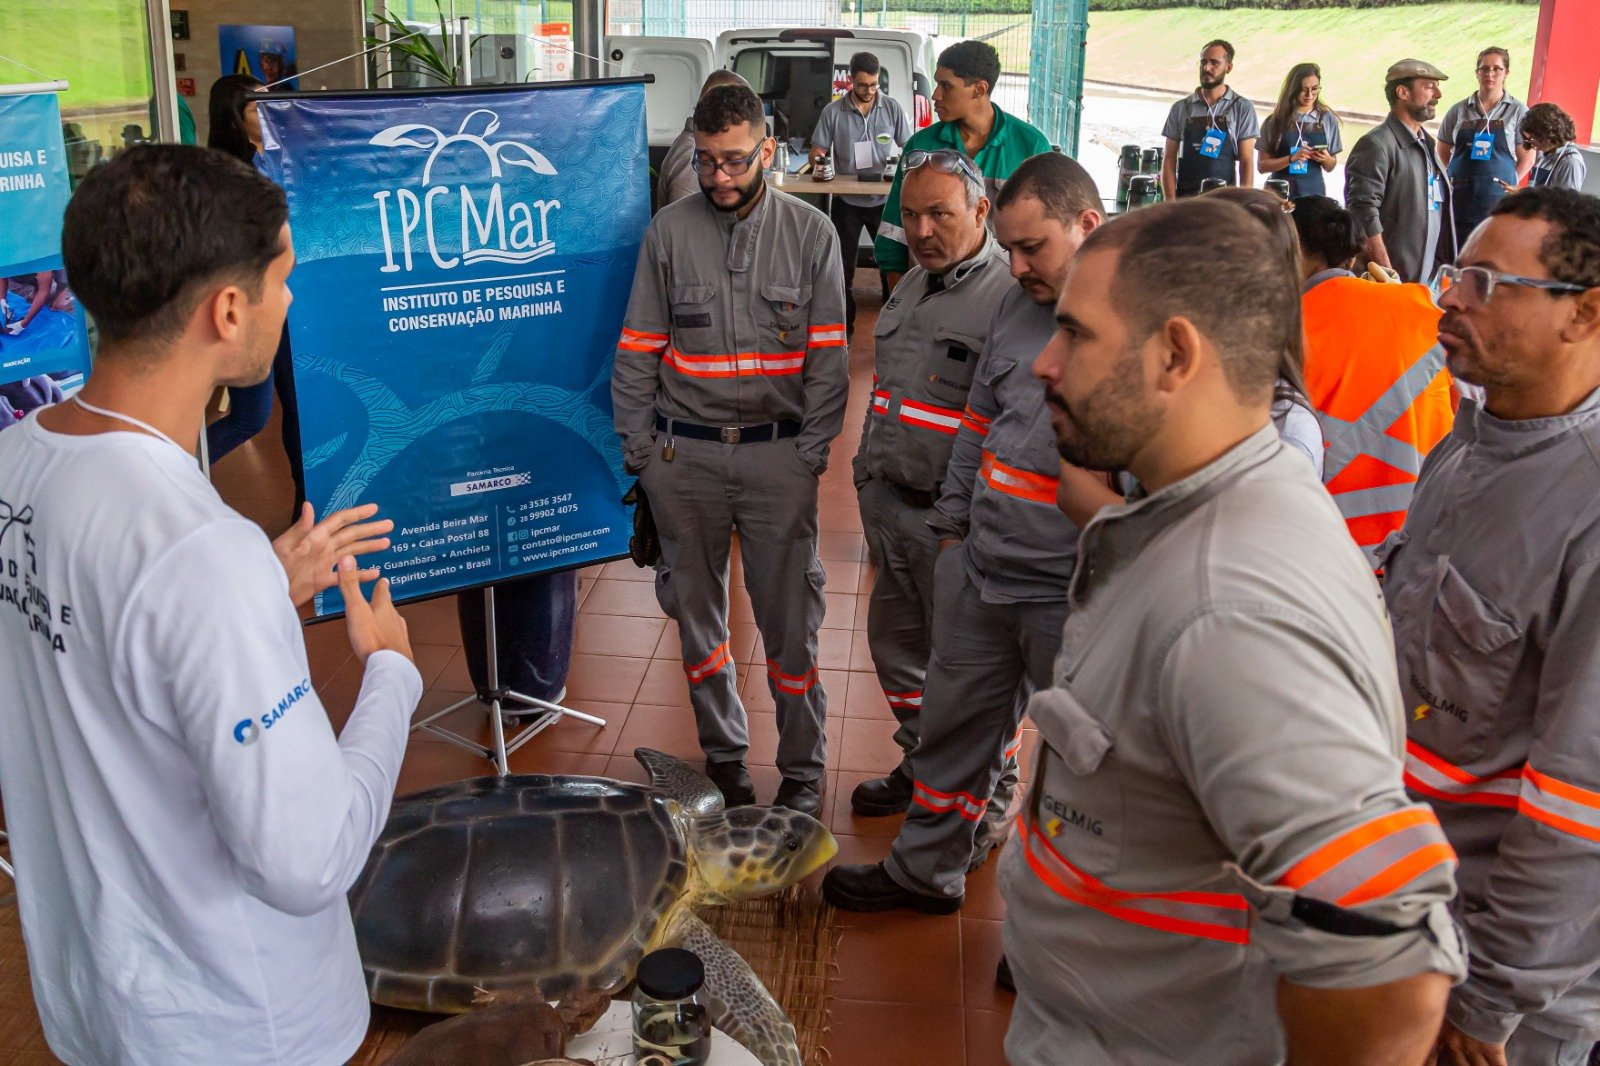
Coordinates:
column 508, row 883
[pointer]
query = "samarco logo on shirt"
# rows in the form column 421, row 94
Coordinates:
column 248, row 730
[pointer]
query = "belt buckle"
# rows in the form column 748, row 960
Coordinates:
column 730, row 434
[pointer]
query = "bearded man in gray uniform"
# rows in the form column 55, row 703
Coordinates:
column 1218, row 862
column 1494, row 589
column 728, row 389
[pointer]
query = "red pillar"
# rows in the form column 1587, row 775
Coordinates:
column 1566, row 62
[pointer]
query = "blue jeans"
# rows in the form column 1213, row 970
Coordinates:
column 248, row 410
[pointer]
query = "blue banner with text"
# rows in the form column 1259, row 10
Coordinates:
column 42, row 337
column 463, row 263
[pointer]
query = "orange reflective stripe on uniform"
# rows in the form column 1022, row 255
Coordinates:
column 719, row 657
column 1015, row 745
column 1373, row 859
column 766, row 364
column 1428, row 775
column 926, row 415
column 1222, row 916
column 833, row 336
column 970, row 419
column 793, row 684
column 1022, row 484
column 904, row 701
column 634, row 341
column 963, row 803
column 1559, row 805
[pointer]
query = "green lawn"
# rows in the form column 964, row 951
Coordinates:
column 1161, row 48
column 97, row 46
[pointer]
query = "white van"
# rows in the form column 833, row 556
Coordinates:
column 795, row 71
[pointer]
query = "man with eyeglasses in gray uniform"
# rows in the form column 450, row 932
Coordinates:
column 1493, row 587
column 729, row 386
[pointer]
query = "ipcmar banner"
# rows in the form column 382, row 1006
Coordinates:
column 464, row 259
column 41, row 329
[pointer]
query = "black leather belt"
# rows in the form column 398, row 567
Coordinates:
column 920, row 498
column 766, row 431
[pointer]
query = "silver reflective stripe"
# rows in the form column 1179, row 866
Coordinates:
column 894, row 233
column 1381, row 499
column 1367, row 436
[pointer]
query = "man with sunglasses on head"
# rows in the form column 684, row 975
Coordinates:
column 862, row 130
column 1480, row 141
column 928, row 339
column 965, row 78
column 729, row 386
column 1493, row 585
column 1006, row 553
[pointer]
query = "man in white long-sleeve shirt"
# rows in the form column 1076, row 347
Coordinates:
column 183, row 820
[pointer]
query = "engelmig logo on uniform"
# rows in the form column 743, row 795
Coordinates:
column 492, row 225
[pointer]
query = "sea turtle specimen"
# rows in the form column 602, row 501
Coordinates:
column 498, row 886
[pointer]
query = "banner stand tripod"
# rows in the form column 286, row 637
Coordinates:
column 494, row 698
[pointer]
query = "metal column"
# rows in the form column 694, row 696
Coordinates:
column 588, row 38
column 1566, row 67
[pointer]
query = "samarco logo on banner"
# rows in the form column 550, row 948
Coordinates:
column 492, row 226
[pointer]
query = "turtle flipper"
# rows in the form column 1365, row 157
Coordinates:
column 740, row 1005
column 693, row 790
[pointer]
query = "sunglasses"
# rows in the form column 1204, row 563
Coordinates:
column 946, row 161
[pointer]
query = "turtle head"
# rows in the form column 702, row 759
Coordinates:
column 755, row 851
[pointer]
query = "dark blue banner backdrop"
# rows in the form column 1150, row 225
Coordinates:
column 463, row 263
column 41, row 330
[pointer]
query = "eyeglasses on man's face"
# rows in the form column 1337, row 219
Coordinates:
column 706, row 166
column 1474, row 285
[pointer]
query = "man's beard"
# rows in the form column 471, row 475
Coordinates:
column 1208, row 81
column 747, row 194
column 1421, row 112
column 1111, row 422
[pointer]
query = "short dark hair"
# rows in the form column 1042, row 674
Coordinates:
column 864, row 63
column 720, row 78
column 146, row 234
column 1327, row 231
column 1058, row 182
column 1549, row 123
column 1496, row 50
column 1227, row 48
column 728, row 106
column 972, row 61
column 1171, row 256
column 1571, row 252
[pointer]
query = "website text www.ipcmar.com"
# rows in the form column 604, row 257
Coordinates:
column 568, row 549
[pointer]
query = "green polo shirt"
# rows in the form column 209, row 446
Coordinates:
column 1010, row 142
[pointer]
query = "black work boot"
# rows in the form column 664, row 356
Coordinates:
column 733, row 781
column 802, row 796
column 870, row 888
column 883, row 795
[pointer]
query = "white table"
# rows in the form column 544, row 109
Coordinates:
column 610, row 1042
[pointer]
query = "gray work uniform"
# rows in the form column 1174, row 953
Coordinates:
column 1396, row 188
column 678, row 179
column 880, row 133
column 928, row 340
column 999, row 602
column 1223, row 735
column 1494, row 588
column 738, row 324
column 1187, row 123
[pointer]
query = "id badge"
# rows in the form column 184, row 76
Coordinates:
column 1299, row 166
column 1211, row 143
column 1483, row 145
column 1435, row 193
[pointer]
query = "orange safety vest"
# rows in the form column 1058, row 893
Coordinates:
column 1375, row 375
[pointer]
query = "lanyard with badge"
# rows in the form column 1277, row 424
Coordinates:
column 1211, row 140
column 1435, row 183
column 1299, row 166
column 1483, row 140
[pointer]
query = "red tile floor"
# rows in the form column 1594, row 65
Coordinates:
column 912, row 989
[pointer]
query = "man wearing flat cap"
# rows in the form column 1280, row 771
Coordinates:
column 1394, row 184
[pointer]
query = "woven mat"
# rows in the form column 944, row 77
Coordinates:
column 789, row 940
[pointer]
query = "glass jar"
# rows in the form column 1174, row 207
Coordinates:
column 671, row 1025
